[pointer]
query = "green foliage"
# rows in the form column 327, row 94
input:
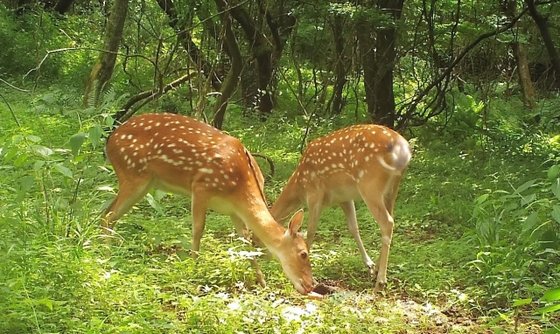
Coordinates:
column 57, row 275
column 486, row 157
column 27, row 37
column 367, row 13
column 518, row 231
column 17, row 40
column 551, row 299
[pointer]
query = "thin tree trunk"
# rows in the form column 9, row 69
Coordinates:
column 232, row 78
column 339, row 65
column 527, row 88
column 262, row 52
column 383, row 111
column 102, row 71
column 366, row 42
column 542, row 24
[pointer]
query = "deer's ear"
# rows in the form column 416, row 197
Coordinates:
column 295, row 223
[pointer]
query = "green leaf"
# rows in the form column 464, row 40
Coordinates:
column 154, row 203
column 531, row 220
column 553, row 172
column 482, row 198
column 556, row 213
column 556, row 188
column 76, row 141
column 45, row 302
column 95, row 134
column 38, row 165
column 552, row 295
column 26, row 183
column 109, row 121
column 522, row 302
column 528, row 199
column 63, row 170
column 525, row 186
column 42, row 150
column 548, row 309
column 159, row 194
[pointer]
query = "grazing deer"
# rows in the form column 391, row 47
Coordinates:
column 361, row 161
column 182, row 155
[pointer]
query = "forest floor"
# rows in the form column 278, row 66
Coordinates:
column 57, row 275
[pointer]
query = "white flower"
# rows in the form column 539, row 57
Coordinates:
column 234, row 305
column 222, row 295
column 294, row 313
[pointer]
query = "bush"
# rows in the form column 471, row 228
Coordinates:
column 518, row 233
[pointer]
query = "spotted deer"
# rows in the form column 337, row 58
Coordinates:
column 185, row 156
column 358, row 162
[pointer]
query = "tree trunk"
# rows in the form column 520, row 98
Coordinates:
column 383, row 111
column 378, row 58
column 63, row 6
column 527, row 88
column 103, row 70
column 366, row 44
column 232, row 78
column 542, row 24
column 258, row 77
column 262, row 53
column 339, row 66
column 386, row 56
column 523, row 73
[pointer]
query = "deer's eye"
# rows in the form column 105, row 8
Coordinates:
column 303, row 255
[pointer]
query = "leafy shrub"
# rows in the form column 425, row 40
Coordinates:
column 518, row 232
column 551, row 299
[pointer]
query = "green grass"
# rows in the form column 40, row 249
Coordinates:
column 58, row 275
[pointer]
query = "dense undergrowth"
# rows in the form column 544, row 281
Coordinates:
column 476, row 244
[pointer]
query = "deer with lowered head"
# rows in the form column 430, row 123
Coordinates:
column 185, row 156
column 363, row 162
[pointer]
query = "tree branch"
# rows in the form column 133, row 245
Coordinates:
column 49, row 52
column 127, row 109
column 412, row 106
column 13, row 87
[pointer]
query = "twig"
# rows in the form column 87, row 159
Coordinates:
column 49, row 52
column 13, row 87
column 457, row 60
column 11, row 111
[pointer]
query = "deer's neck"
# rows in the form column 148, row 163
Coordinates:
column 289, row 200
column 264, row 227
